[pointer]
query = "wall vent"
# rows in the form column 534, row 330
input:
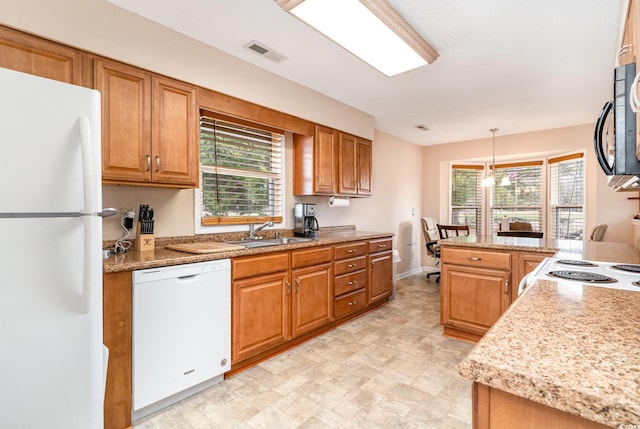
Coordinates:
column 265, row 51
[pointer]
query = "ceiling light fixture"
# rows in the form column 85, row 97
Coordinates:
column 489, row 179
column 370, row 29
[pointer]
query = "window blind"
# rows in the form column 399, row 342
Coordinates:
column 466, row 197
column 566, row 197
column 241, row 171
column 522, row 200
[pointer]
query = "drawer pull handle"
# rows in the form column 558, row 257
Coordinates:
column 351, row 251
column 157, row 163
column 354, row 302
column 352, row 265
column 382, row 246
column 148, row 163
column 288, row 287
column 297, row 284
column 474, row 259
column 506, row 287
column 351, row 283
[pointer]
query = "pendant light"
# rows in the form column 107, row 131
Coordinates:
column 489, row 179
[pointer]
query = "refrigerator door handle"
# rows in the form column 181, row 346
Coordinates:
column 90, row 209
column 90, row 205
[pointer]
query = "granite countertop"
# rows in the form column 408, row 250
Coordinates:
column 574, row 348
column 566, row 249
column 162, row 257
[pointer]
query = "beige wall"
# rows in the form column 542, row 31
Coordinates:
column 603, row 204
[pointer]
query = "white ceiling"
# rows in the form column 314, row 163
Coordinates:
column 518, row 65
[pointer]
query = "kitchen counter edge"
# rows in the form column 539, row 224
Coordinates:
column 162, row 257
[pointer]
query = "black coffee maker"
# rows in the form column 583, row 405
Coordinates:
column 305, row 223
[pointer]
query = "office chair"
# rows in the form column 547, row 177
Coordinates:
column 430, row 232
column 447, row 231
column 597, row 233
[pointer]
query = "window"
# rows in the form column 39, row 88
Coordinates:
column 566, row 192
column 466, row 197
column 522, row 200
column 241, row 171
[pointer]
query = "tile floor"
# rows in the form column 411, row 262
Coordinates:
column 391, row 368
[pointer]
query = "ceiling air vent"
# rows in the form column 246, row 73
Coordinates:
column 265, row 51
column 421, row 127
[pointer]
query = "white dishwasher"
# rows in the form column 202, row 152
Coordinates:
column 181, row 332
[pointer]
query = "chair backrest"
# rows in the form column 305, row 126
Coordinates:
column 430, row 229
column 520, row 226
column 597, row 233
column 447, row 231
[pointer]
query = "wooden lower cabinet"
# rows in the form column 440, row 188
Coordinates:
column 472, row 299
column 260, row 314
column 494, row 408
column 311, row 298
column 380, row 269
column 524, row 263
column 117, row 301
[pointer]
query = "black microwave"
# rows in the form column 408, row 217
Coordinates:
column 616, row 146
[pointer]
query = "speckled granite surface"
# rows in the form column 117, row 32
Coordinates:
column 161, row 257
column 574, row 348
column 566, row 249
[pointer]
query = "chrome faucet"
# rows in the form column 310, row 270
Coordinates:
column 253, row 229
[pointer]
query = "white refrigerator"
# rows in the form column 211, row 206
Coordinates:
column 52, row 360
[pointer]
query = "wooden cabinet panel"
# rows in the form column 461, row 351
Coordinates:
column 325, row 162
column 476, row 258
column 34, row 55
column 350, row 303
column 349, row 250
column 311, row 298
column 380, row 276
column 354, row 165
column 349, row 282
column 117, row 301
column 260, row 314
column 126, row 116
column 349, row 265
column 174, row 132
column 524, row 263
column 257, row 265
column 473, row 298
column 305, row 258
column 494, row 408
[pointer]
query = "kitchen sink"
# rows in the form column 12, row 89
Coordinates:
column 250, row 244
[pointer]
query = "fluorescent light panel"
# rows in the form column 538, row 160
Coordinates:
column 373, row 37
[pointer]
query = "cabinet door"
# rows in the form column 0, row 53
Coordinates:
column 174, row 132
column 325, row 163
column 473, row 298
column 524, row 264
column 364, row 167
column 126, row 121
column 311, row 298
column 259, row 314
column 380, row 276
column 30, row 54
column 347, row 165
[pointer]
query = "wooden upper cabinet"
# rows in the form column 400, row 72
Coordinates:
column 149, row 127
column 354, row 165
column 30, row 54
column 315, row 162
column 126, row 121
column 174, row 132
column 629, row 48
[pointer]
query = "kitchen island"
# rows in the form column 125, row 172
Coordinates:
column 561, row 355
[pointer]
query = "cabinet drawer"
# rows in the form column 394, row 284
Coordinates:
column 349, row 282
column 254, row 265
column 349, row 250
column 349, row 265
column 305, row 258
column 350, row 303
column 476, row 258
column 380, row 245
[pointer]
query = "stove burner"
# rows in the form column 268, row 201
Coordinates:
column 576, row 263
column 582, row 276
column 627, row 267
column 635, row 284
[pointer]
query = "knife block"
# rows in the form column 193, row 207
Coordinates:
column 144, row 242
